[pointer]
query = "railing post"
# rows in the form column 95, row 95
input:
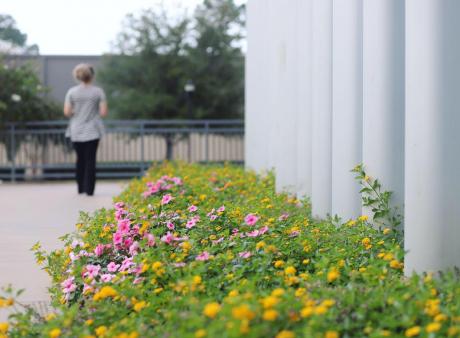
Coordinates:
column 189, row 144
column 206, row 144
column 142, row 134
column 13, row 151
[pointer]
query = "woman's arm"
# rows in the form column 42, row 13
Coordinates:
column 67, row 110
column 103, row 108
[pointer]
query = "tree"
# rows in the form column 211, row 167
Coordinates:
column 12, row 35
column 156, row 55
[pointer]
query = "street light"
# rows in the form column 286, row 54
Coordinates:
column 189, row 89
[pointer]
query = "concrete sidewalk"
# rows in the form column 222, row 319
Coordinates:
column 31, row 212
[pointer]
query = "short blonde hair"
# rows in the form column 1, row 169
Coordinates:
column 83, row 72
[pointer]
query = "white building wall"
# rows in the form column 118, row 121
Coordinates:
column 347, row 105
column 331, row 83
column 383, row 94
column 432, row 212
column 321, row 194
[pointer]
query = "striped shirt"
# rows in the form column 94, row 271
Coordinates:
column 85, row 123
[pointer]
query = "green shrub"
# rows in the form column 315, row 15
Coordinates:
column 259, row 266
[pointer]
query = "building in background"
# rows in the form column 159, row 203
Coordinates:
column 55, row 71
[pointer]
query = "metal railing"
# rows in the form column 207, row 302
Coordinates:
column 40, row 150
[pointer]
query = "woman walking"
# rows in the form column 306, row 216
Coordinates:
column 85, row 105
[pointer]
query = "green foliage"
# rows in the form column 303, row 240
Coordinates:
column 10, row 33
column 298, row 278
column 379, row 202
column 157, row 54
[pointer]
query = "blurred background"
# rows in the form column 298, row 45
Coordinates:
column 173, row 72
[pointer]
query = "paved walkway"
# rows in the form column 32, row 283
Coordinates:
column 31, row 212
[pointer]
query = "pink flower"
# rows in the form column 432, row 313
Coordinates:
column 170, row 226
column 221, row 209
column 263, row 230
column 254, row 233
column 99, row 250
column 68, row 285
column 168, row 238
column 204, row 256
column 179, row 265
column 251, row 219
column 213, row 217
column 126, row 264
column 107, row 277
column 192, row 208
column 166, row 199
column 245, row 254
column 92, row 270
column 137, row 280
column 119, row 205
column 133, row 248
column 177, row 180
column 190, row 224
column 117, row 238
column 124, row 226
column 283, row 217
column 294, row 233
column 217, row 241
column 127, row 243
column 150, row 239
column 112, row 267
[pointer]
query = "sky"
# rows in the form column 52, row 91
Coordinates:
column 83, row 27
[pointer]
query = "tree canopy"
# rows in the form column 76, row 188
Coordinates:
column 156, row 54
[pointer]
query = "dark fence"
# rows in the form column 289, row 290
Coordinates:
column 40, row 150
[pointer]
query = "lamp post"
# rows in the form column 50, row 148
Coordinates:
column 189, row 88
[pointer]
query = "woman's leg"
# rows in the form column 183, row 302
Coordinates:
column 90, row 166
column 80, row 166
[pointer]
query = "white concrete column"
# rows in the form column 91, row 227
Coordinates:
column 322, row 108
column 303, row 41
column 432, row 188
column 383, row 94
column 347, row 106
column 284, row 93
column 257, row 110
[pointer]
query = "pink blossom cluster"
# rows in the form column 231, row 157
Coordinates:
column 163, row 184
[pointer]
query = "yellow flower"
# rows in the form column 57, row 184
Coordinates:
column 453, row 330
column 269, row 302
column 279, row 264
column 366, row 242
column 6, row 302
column 89, row 322
column 300, row 292
column 332, row 275
column 305, row 261
column 211, row 310
column 260, row 245
column 233, row 293
column 290, row 270
column 285, row 334
column 139, row 306
column 101, row 330
column 320, row 310
column 432, row 307
column 396, row 265
column 105, row 292
column 200, row 333
column 363, row 218
column 4, row 327
column 197, row 280
column 270, row 315
column 331, row 334
column 440, row 317
column 278, row 292
column 328, row 302
column 413, row 331
column 243, row 312
column 306, row 312
column 54, row 333
column 50, row 316
column 386, row 231
column 157, row 265
column 433, row 327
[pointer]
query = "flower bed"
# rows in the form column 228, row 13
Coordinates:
column 198, row 251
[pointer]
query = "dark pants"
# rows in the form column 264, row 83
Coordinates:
column 86, row 165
